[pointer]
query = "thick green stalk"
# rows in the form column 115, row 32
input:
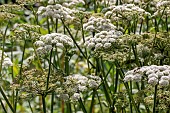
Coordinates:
column 92, row 102
column 30, row 106
column 131, row 109
column 7, row 101
column 3, row 106
column 82, row 31
column 49, row 70
column 155, row 99
column 52, row 102
column 44, row 104
column 99, row 102
column 48, row 25
column 95, row 6
column 121, row 73
column 67, row 74
column 20, row 74
column 82, row 105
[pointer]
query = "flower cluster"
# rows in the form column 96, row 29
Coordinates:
column 102, row 40
column 34, row 82
column 26, row 31
column 163, row 9
column 154, row 74
column 56, row 11
column 48, row 41
column 6, row 60
column 67, row 3
column 76, row 84
column 126, row 12
column 163, row 4
column 97, row 24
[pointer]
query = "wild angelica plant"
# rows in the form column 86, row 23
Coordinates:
column 85, row 56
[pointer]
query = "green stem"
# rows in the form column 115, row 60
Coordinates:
column 56, row 29
column 12, row 72
column 30, row 106
column 155, row 100
column 92, row 102
column 48, row 25
column 69, row 107
column 167, row 23
column 49, row 69
column 3, row 106
column 131, row 109
column 127, row 88
column 44, row 104
column 52, row 102
column 95, row 6
column 82, row 105
column 82, row 31
column 20, row 74
column 99, row 102
column 7, row 101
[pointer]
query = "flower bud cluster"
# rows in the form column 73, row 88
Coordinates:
column 28, row 1
column 56, row 11
column 102, row 40
column 76, row 84
column 34, row 82
column 26, row 31
column 154, row 74
column 126, row 11
column 11, row 8
column 95, row 24
column 48, row 41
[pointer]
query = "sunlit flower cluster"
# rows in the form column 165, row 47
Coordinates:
column 102, row 40
column 126, row 11
column 97, row 24
column 154, row 75
column 48, row 41
column 56, row 11
column 67, row 3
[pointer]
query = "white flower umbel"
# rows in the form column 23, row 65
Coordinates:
column 48, row 41
column 95, row 24
column 125, row 11
column 156, row 75
column 102, row 40
column 56, row 11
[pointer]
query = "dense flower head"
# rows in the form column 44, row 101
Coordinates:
column 67, row 3
column 154, row 74
column 48, row 41
column 34, row 82
column 126, row 11
column 97, row 24
column 163, row 3
column 102, row 40
column 56, row 11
